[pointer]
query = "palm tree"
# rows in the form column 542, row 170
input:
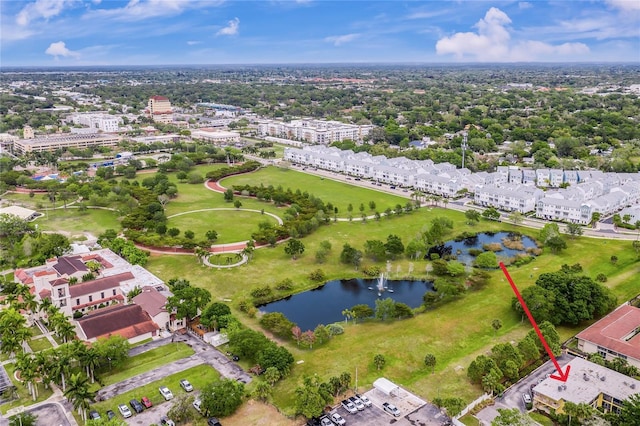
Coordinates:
column 61, row 367
column 348, row 314
column 66, row 331
column 78, row 394
column 28, row 372
column 88, row 357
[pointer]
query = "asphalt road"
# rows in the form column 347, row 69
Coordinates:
column 204, row 354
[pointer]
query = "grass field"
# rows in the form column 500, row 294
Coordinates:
column 39, row 344
column 330, row 191
column 232, row 225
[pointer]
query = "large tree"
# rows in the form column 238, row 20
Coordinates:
column 512, row 417
column 222, row 398
column 294, row 248
column 215, row 316
column 187, row 300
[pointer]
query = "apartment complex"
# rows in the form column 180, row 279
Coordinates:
column 160, row 110
column 588, row 383
column 615, row 336
column 318, row 132
column 570, row 196
column 63, row 141
column 102, row 122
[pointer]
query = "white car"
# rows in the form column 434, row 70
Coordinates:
column 184, row 384
column 197, row 405
column 125, row 411
column 348, row 405
column 356, row 401
column 337, row 419
column 166, row 393
column 391, row 409
column 366, row 401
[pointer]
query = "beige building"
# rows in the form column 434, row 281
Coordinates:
column 587, row 383
column 63, row 141
column 160, row 109
column 27, row 132
column 216, row 136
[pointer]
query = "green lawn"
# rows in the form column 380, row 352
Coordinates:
column 233, row 225
column 145, row 362
column 94, row 221
column 39, row 344
column 198, row 376
column 338, row 193
column 24, row 397
column 35, row 331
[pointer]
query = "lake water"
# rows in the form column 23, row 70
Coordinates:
column 325, row 304
column 461, row 248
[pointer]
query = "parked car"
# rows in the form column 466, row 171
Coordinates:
column 137, row 407
column 197, row 404
column 337, row 419
column 325, row 421
column 94, row 415
column 110, row 414
column 212, row 421
column 391, row 409
column 166, row 393
column 166, row 421
column 124, row 410
column 527, row 400
column 356, row 401
column 366, row 401
column 146, row 402
column 184, row 384
column 348, row 405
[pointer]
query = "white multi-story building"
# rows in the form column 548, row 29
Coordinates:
column 314, row 131
column 104, row 122
column 216, row 136
column 517, row 198
column 62, row 141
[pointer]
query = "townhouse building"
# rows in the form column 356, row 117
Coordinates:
column 521, row 198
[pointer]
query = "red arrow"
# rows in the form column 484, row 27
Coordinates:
column 562, row 376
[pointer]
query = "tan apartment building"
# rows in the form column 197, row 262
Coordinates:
column 160, row 109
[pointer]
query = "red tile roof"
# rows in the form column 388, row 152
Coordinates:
column 100, row 284
column 610, row 331
column 151, row 301
column 45, row 294
column 159, row 98
column 126, row 320
column 68, row 265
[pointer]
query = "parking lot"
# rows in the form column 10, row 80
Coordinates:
column 414, row 411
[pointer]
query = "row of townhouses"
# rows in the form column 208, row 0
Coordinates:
column 553, row 194
column 314, row 131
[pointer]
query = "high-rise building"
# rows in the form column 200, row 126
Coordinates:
column 160, row 109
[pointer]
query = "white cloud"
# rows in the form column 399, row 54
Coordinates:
column 492, row 43
column 232, row 28
column 625, row 5
column 193, row 42
column 341, row 39
column 59, row 48
column 137, row 10
column 41, row 9
column 525, row 5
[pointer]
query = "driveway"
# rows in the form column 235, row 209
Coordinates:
column 512, row 398
column 51, row 415
column 204, row 354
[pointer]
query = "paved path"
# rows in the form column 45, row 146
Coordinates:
column 204, row 354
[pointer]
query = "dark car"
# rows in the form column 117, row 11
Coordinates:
column 110, row 414
column 137, row 407
column 94, row 415
column 212, row 421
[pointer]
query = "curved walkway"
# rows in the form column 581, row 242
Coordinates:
column 244, row 259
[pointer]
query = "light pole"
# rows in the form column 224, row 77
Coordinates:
column 464, row 147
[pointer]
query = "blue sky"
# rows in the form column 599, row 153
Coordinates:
column 151, row 32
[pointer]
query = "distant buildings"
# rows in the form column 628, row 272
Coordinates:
column 615, row 336
column 63, row 141
column 215, row 136
column 160, row 110
column 314, row 131
column 103, row 122
column 587, row 383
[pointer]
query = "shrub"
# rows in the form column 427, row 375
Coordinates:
column 261, row 292
column 492, row 247
column 285, row 285
column 601, row 278
column 474, row 252
column 335, row 329
column 317, row 275
column 371, row 271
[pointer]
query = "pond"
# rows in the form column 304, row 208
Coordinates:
column 517, row 244
column 325, row 304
